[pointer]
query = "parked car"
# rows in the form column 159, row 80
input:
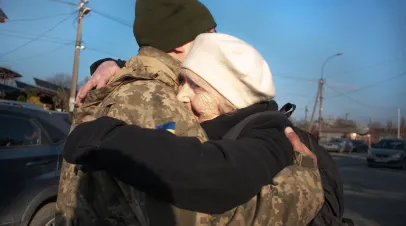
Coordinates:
column 388, row 152
column 339, row 145
column 359, row 146
column 31, row 143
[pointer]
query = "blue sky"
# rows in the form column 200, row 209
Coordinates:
column 294, row 36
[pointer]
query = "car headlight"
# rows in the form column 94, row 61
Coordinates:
column 396, row 156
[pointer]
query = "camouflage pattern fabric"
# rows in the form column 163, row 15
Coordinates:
column 294, row 198
column 143, row 93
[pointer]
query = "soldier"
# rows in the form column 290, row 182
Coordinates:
column 143, row 92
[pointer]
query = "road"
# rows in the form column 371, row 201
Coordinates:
column 373, row 196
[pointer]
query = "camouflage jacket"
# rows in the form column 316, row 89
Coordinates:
column 143, row 93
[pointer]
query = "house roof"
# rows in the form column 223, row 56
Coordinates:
column 47, row 85
column 3, row 17
column 23, row 85
column 8, row 74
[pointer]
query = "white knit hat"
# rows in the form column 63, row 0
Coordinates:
column 231, row 66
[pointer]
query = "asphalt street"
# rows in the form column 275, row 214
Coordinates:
column 373, row 196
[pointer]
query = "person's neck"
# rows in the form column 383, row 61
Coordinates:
column 176, row 56
column 166, row 58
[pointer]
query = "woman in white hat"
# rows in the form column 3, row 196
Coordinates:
column 223, row 80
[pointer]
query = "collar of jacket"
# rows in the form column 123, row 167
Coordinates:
column 123, row 75
column 172, row 63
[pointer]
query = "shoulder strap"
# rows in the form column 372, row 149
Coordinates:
column 234, row 132
column 288, row 109
column 153, row 62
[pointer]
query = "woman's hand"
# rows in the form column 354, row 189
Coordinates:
column 86, row 138
column 298, row 146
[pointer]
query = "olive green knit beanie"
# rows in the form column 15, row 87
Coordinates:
column 168, row 24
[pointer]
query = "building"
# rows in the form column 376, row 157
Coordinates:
column 3, row 17
column 381, row 133
column 8, row 89
column 50, row 95
column 353, row 133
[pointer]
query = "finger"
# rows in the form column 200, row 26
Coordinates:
column 86, row 88
column 298, row 145
column 102, row 82
column 293, row 138
column 79, row 96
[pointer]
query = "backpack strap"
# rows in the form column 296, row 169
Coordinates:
column 288, row 109
column 234, row 132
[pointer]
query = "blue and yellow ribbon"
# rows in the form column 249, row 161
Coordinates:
column 169, row 126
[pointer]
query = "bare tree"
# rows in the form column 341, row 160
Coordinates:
column 389, row 125
column 64, row 81
column 343, row 123
column 375, row 125
column 61, row 79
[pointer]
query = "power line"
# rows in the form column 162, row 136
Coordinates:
column 372, row 85
column 368, row 66
column 38, row 18
column 38, row 37
column 39, row 55
column 65, row 2
column 32, row 34
column 118, row 20
column 30, row 38
column 102, row 52
column 354, row 100
column 295, row 78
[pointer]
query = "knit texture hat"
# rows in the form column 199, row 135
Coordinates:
column 168, row 24
column 231, row 66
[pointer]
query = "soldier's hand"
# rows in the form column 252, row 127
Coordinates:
column 298, row 146
column 99, row 79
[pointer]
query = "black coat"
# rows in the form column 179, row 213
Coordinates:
column 211, row 177
column 333, row 210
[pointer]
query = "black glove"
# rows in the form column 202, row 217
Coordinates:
column 83, row 144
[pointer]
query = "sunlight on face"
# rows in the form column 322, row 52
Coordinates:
column 204, row 104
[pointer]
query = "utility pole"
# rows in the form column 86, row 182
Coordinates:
column 305, row 119
column 346, row 116
column 321, row 105
column 319, row 95
column 83, row 11
column 399, row 123
column 314, row 108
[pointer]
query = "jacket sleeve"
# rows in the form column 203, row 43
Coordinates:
column 211, row 177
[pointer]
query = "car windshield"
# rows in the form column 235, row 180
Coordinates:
column 390, row 144
column 336, row 140
column 357, row 141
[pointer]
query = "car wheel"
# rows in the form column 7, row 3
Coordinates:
column 44, row 216
column 403, row 167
